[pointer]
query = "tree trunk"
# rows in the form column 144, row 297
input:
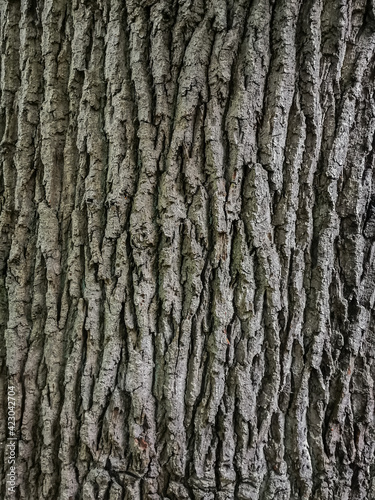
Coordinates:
column 187, row 249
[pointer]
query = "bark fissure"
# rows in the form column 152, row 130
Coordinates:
column 187, row 258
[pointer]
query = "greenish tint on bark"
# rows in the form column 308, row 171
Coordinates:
column 187, row 248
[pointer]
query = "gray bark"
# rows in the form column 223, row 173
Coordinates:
column 187, row 242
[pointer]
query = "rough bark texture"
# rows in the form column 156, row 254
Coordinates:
column 187, row 248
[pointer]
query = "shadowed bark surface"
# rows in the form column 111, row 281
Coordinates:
column 187, row 248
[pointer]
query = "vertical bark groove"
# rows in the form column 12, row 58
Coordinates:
column 187, row 227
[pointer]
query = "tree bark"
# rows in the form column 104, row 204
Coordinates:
column 187, row 248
